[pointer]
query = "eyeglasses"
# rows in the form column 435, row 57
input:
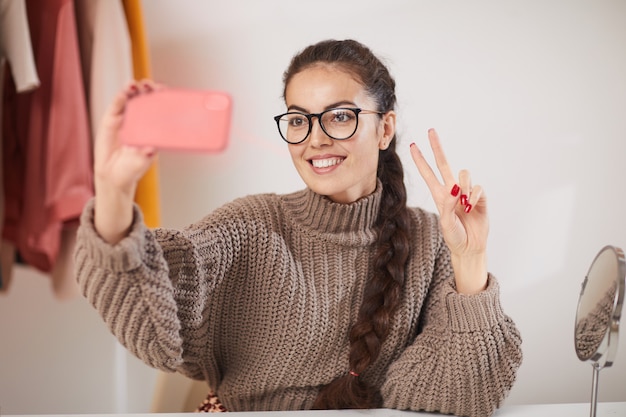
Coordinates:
column 339, row 123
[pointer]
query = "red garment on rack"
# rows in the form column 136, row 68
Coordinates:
column 46, row 139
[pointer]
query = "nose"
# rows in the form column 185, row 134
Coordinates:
column 317, row 136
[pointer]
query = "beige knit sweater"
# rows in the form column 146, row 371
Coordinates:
column 258, row 298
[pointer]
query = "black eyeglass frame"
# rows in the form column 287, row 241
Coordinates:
column 310, row 116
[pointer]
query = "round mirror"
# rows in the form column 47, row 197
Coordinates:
column 599, row 308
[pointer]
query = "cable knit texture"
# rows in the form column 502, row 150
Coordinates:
column 258, row 299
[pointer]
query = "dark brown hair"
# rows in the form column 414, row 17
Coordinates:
column 383, row 290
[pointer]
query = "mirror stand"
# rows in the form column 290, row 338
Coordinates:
column 594, row 388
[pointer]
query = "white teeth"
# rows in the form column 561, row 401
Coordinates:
column 324, row 163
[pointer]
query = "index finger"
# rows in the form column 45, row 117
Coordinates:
column 424, row 168
column 110, row 122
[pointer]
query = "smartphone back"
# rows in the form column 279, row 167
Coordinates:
column 178, row 119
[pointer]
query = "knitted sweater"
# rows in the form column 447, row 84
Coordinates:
column 258, row 298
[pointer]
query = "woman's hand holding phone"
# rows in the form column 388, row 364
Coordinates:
column 118, row 167
column 143, row 118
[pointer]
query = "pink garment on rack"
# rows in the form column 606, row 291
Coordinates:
column 47, row 145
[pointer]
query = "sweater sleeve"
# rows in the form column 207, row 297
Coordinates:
column 128, row 285
column 465, row 358
column 135, row 287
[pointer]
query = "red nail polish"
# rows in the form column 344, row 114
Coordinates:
column 464, row 199
column 455, row 190
column 468, row 207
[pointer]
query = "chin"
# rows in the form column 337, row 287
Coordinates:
column 324, row 189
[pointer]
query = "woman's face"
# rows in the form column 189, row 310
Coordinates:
column 343, row 170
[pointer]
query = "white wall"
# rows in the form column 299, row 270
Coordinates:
column 529, row 95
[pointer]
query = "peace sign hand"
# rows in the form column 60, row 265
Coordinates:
column 463, row 217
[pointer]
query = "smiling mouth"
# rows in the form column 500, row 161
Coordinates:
column 325, row 163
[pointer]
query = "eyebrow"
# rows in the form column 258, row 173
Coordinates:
column 342, row 103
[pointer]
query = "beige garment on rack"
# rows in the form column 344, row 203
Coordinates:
column 105, row 51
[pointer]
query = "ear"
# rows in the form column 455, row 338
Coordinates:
column 388, row 123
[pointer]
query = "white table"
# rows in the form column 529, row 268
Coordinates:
column 617, row 409
column 563, row 410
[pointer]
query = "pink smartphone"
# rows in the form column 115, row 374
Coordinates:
column 178, row 119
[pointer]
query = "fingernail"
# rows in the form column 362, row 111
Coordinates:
column 468, row 207
column 455, row 190
column 412, row 145
column 464, row 199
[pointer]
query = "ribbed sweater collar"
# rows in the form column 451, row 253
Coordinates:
column 343, row 223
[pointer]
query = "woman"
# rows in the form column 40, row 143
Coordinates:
column 336, row 296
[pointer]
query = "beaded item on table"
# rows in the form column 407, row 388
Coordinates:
column 211, row 404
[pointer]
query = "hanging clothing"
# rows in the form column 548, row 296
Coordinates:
column 105, row 50
column 147, row 195
column 106, row 64
column 47, row 146
column 16, row 50
column 15, row 44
